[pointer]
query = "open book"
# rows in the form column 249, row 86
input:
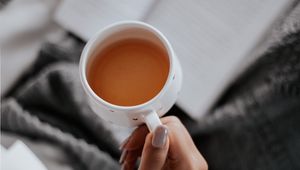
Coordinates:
column 213, row 39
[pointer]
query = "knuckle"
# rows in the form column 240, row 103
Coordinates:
column 173, row 119
column 174, row 123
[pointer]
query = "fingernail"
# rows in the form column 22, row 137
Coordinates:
column 160, row 136
column 122, row 145
column 123, row 155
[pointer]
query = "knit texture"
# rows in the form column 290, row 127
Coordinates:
column 49, row 104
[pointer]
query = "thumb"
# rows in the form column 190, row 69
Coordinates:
column 155, row 149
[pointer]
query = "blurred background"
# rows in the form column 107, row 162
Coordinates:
column 241, row 89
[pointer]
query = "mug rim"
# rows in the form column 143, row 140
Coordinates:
column 85, row 55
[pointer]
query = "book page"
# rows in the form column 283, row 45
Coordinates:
column 212, row 40
column 85, row 18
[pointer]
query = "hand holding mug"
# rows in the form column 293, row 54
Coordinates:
column 169, row 147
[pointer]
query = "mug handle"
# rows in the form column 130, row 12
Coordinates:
column 152, row 120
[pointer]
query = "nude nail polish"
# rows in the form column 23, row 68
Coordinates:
column 123, row 166
column 160, row 136
column 123, row 155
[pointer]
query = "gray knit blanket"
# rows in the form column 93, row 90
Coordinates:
column 255, row 124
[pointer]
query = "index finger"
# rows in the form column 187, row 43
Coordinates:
column 137, row 138
column 134, row 146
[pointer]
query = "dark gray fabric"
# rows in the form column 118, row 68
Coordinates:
column 13, row 118
column 3, row 3
column 48, row 104
column 255, row 125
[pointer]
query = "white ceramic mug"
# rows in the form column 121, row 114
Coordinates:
column 150, row 111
